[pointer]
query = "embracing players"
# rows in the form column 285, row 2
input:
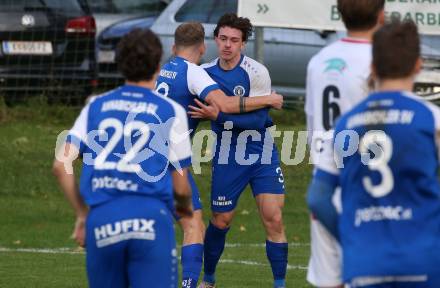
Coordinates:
column 238, row 162
column 182, row 80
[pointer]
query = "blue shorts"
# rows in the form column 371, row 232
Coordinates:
column 229, row 181
column 431, row 281
column 196, row 201
column 130, row 243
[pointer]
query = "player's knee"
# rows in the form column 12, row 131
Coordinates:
column 274, row 221
column 221, row 221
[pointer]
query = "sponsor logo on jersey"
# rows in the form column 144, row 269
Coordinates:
column 335, row 64
column 221, row 201
column 112, row 233
column 239, row 90
column 382, row 213
column 113, row 183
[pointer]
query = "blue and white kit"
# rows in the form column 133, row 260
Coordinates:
column 184, row 81
column 129, row 140
column 245, row 153
column 389, row 226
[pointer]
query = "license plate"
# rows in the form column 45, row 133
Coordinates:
column 106, row 56
column 27, row 48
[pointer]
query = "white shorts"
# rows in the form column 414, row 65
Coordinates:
column 325, row 265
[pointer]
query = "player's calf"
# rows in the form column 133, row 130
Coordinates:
column 270, row 208
column 215, row 239
column 192, row 249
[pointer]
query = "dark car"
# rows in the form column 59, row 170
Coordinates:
column 109, row 12
column 107, row 42
column 47, row 46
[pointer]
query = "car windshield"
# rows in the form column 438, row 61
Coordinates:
column 147, row 7
column 206, row 11
column 29, row 5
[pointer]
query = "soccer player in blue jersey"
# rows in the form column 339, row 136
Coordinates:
column 128, row 139
column 237, row 163
column 182, row 80
column 387, row 149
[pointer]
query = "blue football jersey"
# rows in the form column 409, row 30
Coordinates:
column 390, row 221
column 128, row 139
column 248, row 79
column 184, row 81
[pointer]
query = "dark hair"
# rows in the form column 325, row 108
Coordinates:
column 360, row 14
column 233, row 21
column 396, row 49
column 138, row 55
column 189, row 34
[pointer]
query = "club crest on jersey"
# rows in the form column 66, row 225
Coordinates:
column 335, row 64
column 239, row 90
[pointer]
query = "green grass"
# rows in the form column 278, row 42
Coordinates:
column 35, row 215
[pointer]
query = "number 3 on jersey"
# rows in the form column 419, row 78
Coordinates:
column 381, row 145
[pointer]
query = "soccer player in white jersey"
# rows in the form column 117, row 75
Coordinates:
column 242, row 76
column 182, row 80
column 387, row 151
column 136, row 149
column 337, row 79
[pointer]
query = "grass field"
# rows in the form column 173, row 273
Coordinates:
column 36, row 221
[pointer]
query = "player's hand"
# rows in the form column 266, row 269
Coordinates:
column 79, row 231
column 183, row 204
column 203, row 111
column 276, row 100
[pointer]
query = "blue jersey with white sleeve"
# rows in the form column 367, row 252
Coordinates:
column 248, row 79
column 184, row 81
column 247, row 148
column 390, row 218
column 128, row 139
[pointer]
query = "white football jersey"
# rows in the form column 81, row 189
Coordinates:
column 337, row 79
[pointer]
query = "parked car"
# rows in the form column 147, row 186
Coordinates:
column 286, row 51
column 108, row 12
column 107, row 41
column 47, row 46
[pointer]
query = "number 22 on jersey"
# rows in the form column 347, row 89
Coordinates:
column 125, row 132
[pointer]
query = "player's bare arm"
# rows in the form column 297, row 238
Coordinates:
column 233, row 104
column 69, row 186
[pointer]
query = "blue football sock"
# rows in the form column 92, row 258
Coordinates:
column 279, row 283
column 215, row 239
column 192, row 257
column 277, row 255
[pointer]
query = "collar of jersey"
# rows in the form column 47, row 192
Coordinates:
column 392, row 93
column 135, row 88
column 180, row 58
column 238, row 64
column 356, row 40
